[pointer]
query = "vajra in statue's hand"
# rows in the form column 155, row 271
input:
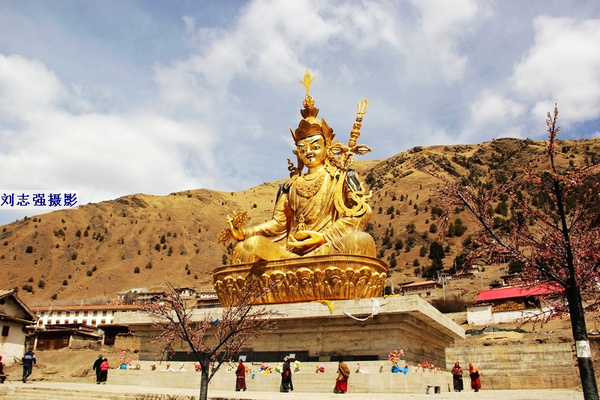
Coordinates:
column 235, row 229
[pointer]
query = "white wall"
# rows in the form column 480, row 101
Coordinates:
column 479, row 314
column 483, row 315
column 92, row 318
column 13, row 345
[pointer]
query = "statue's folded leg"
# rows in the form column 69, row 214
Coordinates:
column 256, row 248
column 360, row 243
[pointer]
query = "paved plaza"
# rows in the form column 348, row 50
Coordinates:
column 224, row 394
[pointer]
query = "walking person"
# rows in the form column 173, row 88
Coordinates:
column 286, row 376
column 96, row 367
column 104, row 371
column 341, row 382
column 240, row 373
column 2, row 374
column 475, row 379
column 457, row 377
column 28, row 362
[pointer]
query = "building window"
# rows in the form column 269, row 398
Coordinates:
column 5, row 330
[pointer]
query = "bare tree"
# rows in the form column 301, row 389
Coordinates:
column 211, row 340
column 554, row 231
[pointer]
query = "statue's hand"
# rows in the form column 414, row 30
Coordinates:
column 235, row 229
column 237, row 232
column 306, row 241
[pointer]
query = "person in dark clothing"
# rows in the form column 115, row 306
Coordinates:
column 96, row 367
column 2, row 374
column 28, row 362
column 457, row 377
column 286, row 376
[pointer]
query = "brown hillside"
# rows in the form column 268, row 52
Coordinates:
column 89, row 254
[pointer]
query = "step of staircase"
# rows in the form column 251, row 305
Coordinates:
column 36, row 393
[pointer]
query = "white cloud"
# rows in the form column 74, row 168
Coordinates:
column 26, row 86
column 103, row 153
column 564, row 67
column 274, row 41
column 442, row 25
column 493, row 107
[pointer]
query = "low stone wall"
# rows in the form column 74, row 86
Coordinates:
column 539, row 366
column 371, row 380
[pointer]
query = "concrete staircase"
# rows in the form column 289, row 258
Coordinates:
column 31, row 393
column 145, row 384
column 373, row 379
column 15, row 392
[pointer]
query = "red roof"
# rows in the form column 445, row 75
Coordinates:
column 515, row 292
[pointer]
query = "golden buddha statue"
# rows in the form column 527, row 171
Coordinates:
column 318, row 212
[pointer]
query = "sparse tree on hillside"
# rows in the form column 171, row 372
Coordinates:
column 436, row 251
column 212, row 341
column 557, row 240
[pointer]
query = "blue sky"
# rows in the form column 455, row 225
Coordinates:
column 112, row 98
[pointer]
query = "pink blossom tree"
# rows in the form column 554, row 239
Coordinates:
column 212, row 340
column 557, row 241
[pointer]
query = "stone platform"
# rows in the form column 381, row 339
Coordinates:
column 356, row 330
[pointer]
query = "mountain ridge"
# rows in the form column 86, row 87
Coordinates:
column 91, row 253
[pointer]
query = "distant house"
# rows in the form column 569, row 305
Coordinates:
column 58, row 336
column 141, row 295
column 69, row 324
column 508, row 304
column 426, row 289
column 91, row 315
column 15, row 316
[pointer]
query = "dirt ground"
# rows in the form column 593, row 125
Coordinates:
column 66, row 365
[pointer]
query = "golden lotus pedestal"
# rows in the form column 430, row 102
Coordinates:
column 327, row 277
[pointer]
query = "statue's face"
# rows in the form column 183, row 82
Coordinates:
column 312, row 151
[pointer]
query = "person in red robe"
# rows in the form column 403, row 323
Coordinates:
column 240, row 373
column 475, row 379
column 341, row 382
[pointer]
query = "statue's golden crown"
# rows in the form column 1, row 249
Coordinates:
column 310, row 125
